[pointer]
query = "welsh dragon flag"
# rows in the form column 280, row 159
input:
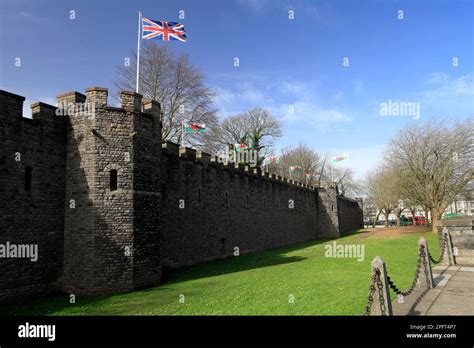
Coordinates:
column 339, row 158
column 194, row 127
column 240, row 147
column 295, row 169
column 271, row 160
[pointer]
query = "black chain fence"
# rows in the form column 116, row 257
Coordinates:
column 376, row 281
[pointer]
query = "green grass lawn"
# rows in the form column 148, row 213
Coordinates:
column 258, row 284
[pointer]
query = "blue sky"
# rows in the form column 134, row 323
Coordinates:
column 285, row 65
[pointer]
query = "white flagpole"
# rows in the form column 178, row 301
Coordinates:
column 138, row 49
column 182, row 134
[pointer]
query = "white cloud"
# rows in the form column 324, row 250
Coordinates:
column 445, row 86
column 302, row 103
column 243, row 95
column 437, row 77
column 311, row 113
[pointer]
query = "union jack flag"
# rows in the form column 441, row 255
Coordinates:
column 165, row 31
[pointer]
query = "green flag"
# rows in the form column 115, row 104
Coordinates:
column 194, row 127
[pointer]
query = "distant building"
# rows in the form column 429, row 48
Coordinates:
column 460, row 206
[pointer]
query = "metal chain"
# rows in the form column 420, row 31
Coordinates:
column 375, row 279
column 443, row 248
column 428, row 285
column 414, row 282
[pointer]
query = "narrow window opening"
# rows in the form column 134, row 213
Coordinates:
column 113, row 180
column 28, row 171
column 222, row 245
column 248, row 201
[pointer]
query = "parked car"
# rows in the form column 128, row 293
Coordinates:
column 406, row 221
column 420, row 220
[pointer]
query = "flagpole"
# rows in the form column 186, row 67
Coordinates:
column 182, row 134
column 138, row 49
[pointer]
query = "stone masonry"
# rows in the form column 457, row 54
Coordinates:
column 109, row 205
column 461, row 232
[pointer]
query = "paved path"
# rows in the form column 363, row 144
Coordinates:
column 453, row 294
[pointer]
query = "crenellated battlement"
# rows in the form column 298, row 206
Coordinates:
column 12, row 104
column 199, row 157
column 74, row 103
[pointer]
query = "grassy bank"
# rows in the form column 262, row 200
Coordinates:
column 262, row 283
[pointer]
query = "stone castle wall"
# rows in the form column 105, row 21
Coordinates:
column 350, row 214
column 173, row 206
column 32, row 215
column 209, row 209
column 461, row 231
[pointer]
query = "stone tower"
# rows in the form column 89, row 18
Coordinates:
column 113, row 180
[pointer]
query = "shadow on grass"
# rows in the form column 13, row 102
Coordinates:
column 357, row 231
column 267, row 258
column 50, row 305
column 254, row 260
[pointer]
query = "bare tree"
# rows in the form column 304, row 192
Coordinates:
column 234, row 130
column 264, row 129
column 437, row 162
column 304, row 157
column 381, row 189
column 370, row 212
column 256, row 128
column 178, row 86
column 344, row 178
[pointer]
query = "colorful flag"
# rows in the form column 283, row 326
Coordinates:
column 240, row 147
column 339, row 158
column 271, row 160
column 295, row 169
column 161, row 30
column 194, row 127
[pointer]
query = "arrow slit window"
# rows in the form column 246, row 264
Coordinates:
column 113, row 180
